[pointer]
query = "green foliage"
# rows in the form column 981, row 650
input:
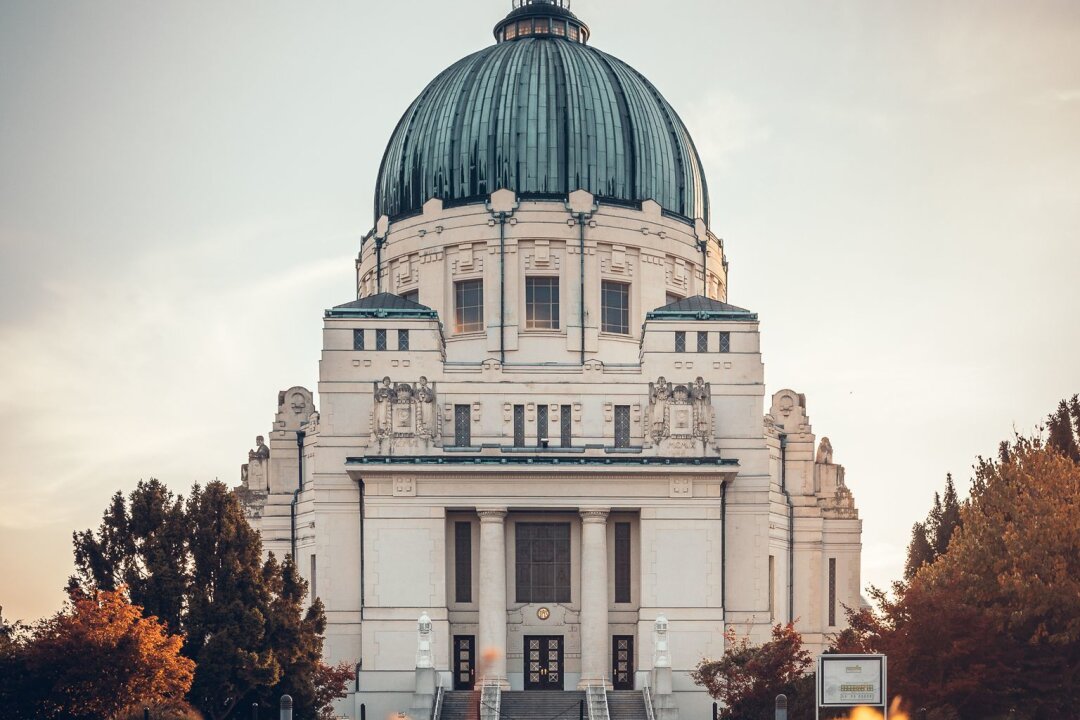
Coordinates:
column 198, row 564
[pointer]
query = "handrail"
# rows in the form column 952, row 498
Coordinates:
column 597, row 705
column 649, row 712
column 436, row 708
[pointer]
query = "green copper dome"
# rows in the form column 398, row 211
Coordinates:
column 543, row 114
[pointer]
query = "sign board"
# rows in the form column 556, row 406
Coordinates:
column 851, row 680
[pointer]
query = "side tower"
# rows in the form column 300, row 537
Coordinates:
column 541, row 424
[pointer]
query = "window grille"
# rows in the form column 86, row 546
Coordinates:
column 622, row 426
column 542, row 562
column 402, row 339
column 622, row 562
column 725, row 342
column 680, row 342
column 519, row 426
column 703, row 342
column 380, row 340
column 566, row 421
column 832, row 591
column 463, row 562
column 463, row 425
column 357, row 339
column 541, row 424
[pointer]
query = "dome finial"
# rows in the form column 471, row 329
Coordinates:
column 541, row 18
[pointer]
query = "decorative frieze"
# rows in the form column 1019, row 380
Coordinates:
column 404, row 416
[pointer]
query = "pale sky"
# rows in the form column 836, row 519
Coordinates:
column 184, row 183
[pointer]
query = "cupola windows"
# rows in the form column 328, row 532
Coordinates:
column 469, row 306
column 542, row 303
column 615, row 307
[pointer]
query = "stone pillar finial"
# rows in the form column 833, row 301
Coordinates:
column 424, row 652
column 661, row 651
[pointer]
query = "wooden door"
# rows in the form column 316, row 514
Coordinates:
column 622, row 662
column 464, row 662
column 543, row 662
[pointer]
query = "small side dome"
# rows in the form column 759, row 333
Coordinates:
column 543, row 114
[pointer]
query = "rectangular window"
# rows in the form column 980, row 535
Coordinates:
column 542, row 303
column 412, row 296
column 772, row 588
column 314, row 571
column 559, row 28
column 463, row 425
column 469, row 306
column 519, row 426
column 622, row 426
column 671, row 298
column 566, row 425
column 680, row 342
column 703, row 342
column 622, row 562
column 832, row 592
column 542, row 567
column 402, row 339
column 541, row 424
column 615, row 307
column 725, row 342
column 357, row 339
column 463, row 562
column 380, row 339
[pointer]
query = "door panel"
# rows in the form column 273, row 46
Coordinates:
column 543, row 662
column 622, row 662
column 464, row 662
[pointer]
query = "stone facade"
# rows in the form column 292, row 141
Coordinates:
column 448, row 462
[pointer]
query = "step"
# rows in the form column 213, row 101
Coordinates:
column 626, row 705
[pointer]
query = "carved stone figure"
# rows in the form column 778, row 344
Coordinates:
column 261, row 452
column 701, row 393
column 825, row 452
column 659, row 397
column 425, row 395
column 380, row 415
column 680, row 416
column 404, row 415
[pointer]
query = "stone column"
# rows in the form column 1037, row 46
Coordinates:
column 492, row 640
column 595, row 640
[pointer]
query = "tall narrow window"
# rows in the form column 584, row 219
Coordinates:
column 615, row 307
column 469, row 306
column 542, row 303
column 463, row 562
column 622, row 562
column 402, row 339
column 680, row 342
column 519, row 426
column 314, row 577
column 832, row 591
column 703, row 342
column 725, row 342
column 541, row 424
column 463, row 425
column 772, row 588
column 566, row 425
column 380, row 339
column 622, row 426
column 357, row 339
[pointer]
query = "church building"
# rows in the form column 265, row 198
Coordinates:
column 542, row 463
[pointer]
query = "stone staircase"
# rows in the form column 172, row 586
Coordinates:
column 540, row 705
column 460, row 705
column 626, row 705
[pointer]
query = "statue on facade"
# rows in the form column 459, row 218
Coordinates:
column 261, row 452
column 659, row 397
column 429, row 418
column 825, row 452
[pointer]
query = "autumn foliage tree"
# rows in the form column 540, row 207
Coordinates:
column 92, row 660
column 748, row 677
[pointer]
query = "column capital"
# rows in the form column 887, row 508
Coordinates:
column 491, row 515
column 594, row 515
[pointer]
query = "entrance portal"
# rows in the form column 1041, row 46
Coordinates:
column 543, row 662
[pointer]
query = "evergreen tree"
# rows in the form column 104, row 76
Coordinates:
column 1062, row 435
column 920, row 552
column 947, row 519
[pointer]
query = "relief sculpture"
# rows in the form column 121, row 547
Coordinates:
column 680, row 416
column 403, row 416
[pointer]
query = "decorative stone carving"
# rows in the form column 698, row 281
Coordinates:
column 680, row 417
column 404, row 416
column 261, row 452
column 425, row 636
column 661, row 651
column 825, row 452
